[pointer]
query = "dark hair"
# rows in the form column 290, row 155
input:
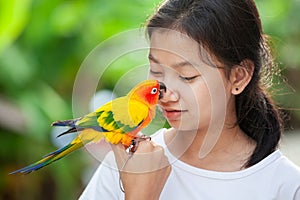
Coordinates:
column 231, row 30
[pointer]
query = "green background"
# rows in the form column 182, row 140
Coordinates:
column 42, row 45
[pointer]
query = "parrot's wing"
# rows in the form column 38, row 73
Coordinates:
column 119, row 120
column 91, row 121
column 118, row 116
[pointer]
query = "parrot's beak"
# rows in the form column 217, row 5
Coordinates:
column 162, row 89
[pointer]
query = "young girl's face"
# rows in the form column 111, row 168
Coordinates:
column 197, row 91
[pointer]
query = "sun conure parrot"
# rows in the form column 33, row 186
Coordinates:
column 118, row 121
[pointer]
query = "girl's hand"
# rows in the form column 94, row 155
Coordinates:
column 145, row 173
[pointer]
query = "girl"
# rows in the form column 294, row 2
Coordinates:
column 225, row 130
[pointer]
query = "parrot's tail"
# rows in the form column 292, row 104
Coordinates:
column 70, row 123
column 51, row 157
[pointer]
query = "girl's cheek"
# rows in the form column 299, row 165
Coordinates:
column 155, row 77
column 150, row 76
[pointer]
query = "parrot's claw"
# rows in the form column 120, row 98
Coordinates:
column 135, row 143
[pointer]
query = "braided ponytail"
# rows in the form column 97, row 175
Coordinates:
column 257, row 114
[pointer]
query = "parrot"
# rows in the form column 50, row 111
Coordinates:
column 118, row 121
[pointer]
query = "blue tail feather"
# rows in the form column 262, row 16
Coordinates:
column 28, row 169
column 46, row 160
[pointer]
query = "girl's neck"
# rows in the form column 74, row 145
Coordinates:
column 230, row 152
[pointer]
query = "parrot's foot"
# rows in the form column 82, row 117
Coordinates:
column 135, row 142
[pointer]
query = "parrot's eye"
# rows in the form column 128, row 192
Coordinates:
column 154, row 91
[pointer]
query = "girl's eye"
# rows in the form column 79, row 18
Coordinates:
column 155, row 72
column 188, row 79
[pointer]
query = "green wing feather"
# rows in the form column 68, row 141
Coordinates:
column 119, row 115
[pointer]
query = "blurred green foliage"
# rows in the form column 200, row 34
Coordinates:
column 42, row 45
column 280, row 20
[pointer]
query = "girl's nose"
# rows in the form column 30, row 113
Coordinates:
column 170, row 95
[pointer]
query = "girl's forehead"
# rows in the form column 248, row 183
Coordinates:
column 176, row 46
column 173, row 41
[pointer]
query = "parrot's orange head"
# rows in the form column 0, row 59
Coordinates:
column 149, row 92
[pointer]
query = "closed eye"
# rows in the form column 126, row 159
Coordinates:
column 155, row 72
column 187, row 79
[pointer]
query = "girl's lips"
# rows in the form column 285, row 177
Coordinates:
column 173, row 114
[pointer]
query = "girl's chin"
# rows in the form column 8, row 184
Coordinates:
column 181, row 126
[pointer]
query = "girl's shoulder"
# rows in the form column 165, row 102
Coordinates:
column 286, row 169
column 285, row 178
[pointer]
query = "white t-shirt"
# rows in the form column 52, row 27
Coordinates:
column 273, row 178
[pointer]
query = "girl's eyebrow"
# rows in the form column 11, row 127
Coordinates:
column 150, row 57
column 176, row 65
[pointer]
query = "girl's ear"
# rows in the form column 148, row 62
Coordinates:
column 240, row 76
